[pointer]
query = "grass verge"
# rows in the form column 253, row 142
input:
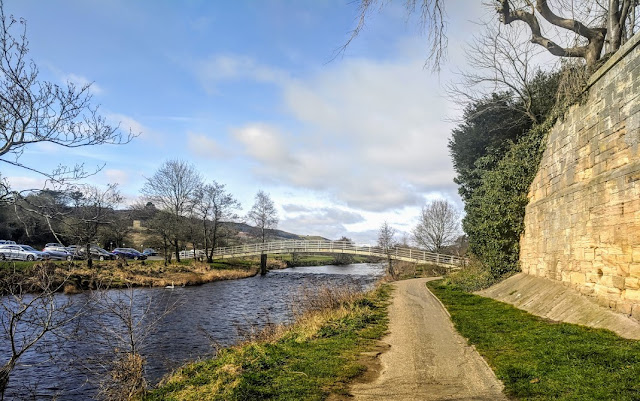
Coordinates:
column 537, row 359
column 313, row 358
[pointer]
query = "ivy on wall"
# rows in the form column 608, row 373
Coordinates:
column 496, row 153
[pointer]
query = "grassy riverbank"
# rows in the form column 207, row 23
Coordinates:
column 310, row 360
column 538, row 359
column 75, row 276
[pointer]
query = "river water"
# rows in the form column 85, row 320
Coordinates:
column 186, row 324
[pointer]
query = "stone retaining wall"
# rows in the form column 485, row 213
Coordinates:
column 582, row 225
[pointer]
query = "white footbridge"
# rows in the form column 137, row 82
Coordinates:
column 338, row 247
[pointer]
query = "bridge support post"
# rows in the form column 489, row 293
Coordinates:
column 263, row 264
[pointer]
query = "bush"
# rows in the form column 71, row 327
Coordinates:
column 473, row 277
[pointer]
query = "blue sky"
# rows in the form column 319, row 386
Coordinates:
column 248, row 92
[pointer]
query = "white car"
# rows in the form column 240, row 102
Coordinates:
column 21, row 252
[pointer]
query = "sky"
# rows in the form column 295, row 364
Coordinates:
column 251, row 93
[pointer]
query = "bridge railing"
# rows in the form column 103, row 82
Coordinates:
column 288, row 246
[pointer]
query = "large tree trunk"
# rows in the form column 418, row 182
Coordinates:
column 206, row 242
column 176, row 244
column 214, row 241
column 594, row 51
column 89, row 260
column 263, row 264
column 5, row 371
column 167, row 254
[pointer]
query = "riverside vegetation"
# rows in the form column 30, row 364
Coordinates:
column 309, row 360
column 76, row 276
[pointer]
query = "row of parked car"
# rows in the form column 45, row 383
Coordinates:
column 9, row 250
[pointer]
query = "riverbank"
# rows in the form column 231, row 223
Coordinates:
column 316, row 357
column 74, row 277
column 539, row 359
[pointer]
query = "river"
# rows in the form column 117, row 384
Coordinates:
column 194, row 321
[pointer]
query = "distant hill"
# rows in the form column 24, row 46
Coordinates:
column 245, row 233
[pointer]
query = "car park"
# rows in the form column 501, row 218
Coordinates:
column 150, row 252
column 129, row 253
column 21, row 252
column 58, row 252
column 189, row 254
column 95, row 251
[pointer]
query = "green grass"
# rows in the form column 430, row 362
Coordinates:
column 538, row 359
column 309, row 361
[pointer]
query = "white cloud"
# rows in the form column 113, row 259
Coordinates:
column 203, row 146
column 373, row 135
column 128, row 123
column 229, row 67
column 328, row 222
column 115, row 176
column 25, row 183
column 265, row 144
column 79, row 81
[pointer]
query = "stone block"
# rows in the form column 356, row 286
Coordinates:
column 632, row 283
column 632, row 295
column 618, row 282
column 578, row 278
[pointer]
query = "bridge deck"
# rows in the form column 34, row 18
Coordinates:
column 339, row 247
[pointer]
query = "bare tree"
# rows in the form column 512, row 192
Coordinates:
column 120, row 322
column 592, row 25
column 438, row 227
column 173, row 188
column 264, row 216
column 215, row 205
column 93, row 208
column 30, row 311
column 34, row 111
column 162, row 225
column 500, row 62
column 432, row 22
column 386, row 241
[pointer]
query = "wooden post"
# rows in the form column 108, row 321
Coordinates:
column 263, row 264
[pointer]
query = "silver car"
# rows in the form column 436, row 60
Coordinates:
column 21, row 252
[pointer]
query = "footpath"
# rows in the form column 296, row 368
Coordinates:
column 427, row 359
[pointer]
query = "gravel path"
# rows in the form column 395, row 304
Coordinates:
column 427, row 358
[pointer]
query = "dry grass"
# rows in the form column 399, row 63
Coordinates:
column 76, row 277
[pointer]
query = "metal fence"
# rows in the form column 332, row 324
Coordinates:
column 291, row 246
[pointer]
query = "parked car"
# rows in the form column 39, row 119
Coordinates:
column 58, row 252
column 7, row 242
column 189, row 254
column 95, row 251
column 150, row 252
column 56, row 244
column 129, row 253
column 21, row 252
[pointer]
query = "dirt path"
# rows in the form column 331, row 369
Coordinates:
column 427, row 358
